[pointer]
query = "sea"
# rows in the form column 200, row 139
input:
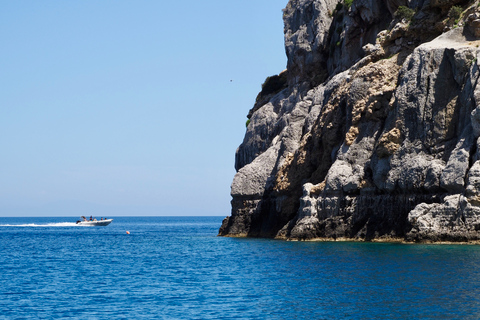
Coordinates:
column 178, row 268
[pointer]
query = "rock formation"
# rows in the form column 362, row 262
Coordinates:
column 372, row 131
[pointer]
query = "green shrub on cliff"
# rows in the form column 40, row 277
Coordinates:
column 348, row 3
column 455, row 13
column 274, row 84
column 404, row 12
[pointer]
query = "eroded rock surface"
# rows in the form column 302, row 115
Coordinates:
column 375, row 135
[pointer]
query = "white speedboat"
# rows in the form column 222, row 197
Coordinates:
column 94, row 222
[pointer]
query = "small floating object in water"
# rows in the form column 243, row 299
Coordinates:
column 128, row 232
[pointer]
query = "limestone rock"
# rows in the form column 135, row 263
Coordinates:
column 473, row 24
column 374, row 137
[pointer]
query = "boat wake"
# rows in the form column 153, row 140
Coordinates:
column 58, row 224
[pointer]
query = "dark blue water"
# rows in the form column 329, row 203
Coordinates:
column 176, row 268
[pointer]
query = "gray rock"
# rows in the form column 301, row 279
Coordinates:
column 361, row 147
column 454, row 174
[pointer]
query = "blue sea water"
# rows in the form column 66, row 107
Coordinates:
column 177, row 268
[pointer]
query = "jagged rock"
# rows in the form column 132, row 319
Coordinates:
column 473, row 184
column 452, row 220
column 363, row 144
column 443, row 3
column 473, row 24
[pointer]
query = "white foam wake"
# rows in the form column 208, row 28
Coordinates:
column 57, row 224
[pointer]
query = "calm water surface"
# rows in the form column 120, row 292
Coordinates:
column 176, row 268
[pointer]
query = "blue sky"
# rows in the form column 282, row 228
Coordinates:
column 129, row 107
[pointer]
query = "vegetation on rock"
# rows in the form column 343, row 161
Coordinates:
column 404, row 12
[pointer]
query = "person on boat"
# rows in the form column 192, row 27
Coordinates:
column 91, row 218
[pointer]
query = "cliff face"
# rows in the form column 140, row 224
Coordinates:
column 372, row 134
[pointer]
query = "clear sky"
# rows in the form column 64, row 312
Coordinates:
column 129, row 107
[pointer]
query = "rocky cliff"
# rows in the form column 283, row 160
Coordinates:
column 371, row 132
